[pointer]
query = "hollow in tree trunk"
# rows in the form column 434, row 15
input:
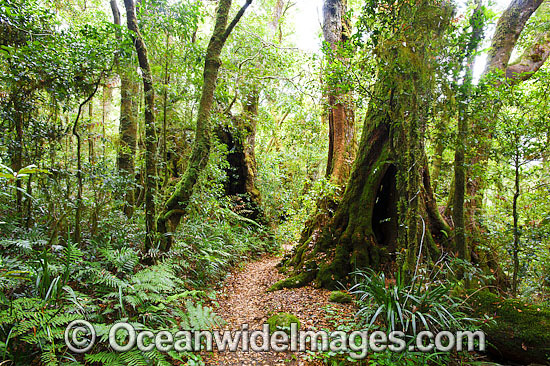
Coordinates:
column 175, row 206
column 239, row 135
column 387, row 218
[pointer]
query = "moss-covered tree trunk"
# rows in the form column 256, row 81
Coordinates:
column 460, row 244
column 128, row 120
column 519, row 332
column 150, row 133
column 387, row 215
column 175, row 206
column 129, row 91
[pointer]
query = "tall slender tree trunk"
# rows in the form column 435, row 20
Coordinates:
column 80, row 185
column 341, row 150
column 129, row 91
column 460, row 243
column 18, row 158
column 176, row 205
column 440, row 135
column 127, row 149
column 91, row 137
column 515, row 216
column 165, row 112
column 150, row 133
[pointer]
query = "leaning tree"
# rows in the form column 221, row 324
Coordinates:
column 175, row 207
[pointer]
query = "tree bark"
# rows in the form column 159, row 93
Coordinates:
column 531, row 60
column 79, row 205
column 175, row 206
column 128, row 121
column 509, row 28
column 341, row 151
column 239, row 135
column 438, row 159
column 460, row 242
column 18, row 156
column 388, row 205
column 515, row 216
column 127, row 149
column 150, row 133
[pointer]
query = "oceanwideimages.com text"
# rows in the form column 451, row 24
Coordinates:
column 80, row 337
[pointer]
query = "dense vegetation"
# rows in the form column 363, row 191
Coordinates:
column 147, row 148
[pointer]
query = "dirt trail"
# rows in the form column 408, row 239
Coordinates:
column 243, row 300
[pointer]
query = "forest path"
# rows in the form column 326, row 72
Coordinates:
column 243, row 299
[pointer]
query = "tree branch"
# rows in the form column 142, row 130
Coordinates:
column 531, row 60
column 235, row 20
column 509, row 27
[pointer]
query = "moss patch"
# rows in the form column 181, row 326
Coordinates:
column 282, row 321
column 293, row 282
column 340, row 297
column 521, row 332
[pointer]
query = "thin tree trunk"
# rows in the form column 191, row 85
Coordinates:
column 79, row 205
column 515, row 216
column 439, row 150
column 106, row 109
column 164, row 112
column 17, row 157
column 150, row 135
column 29, row 202
column 176, row 205
column 91, row 150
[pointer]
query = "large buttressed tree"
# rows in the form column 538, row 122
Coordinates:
column 388, row 217
column 388, row 205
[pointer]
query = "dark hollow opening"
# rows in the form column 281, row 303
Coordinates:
column 384, row 216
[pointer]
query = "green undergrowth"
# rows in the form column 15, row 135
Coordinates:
column 206, row 252
column 45, row 284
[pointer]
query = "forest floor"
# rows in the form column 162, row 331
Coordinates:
column 243, row 299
